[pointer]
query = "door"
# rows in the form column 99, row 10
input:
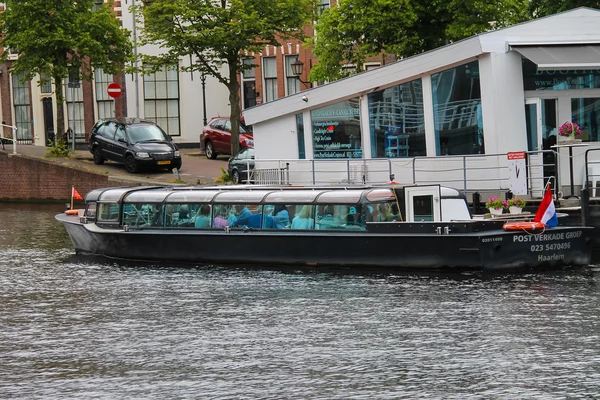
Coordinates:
column 423, row 203
column 48, row 120
column 541, row 125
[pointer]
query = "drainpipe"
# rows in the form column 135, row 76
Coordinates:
column 136, row 79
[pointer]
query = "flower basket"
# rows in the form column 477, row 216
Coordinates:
column 496, row 205
column 515, row 210
column 568, row 133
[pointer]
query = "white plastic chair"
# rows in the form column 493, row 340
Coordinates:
column 594, row 176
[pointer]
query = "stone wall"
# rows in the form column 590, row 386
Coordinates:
column 31, row 179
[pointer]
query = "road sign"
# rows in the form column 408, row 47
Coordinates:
column 114, row 89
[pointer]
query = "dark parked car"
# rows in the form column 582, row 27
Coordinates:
column 238, row 165
column 216, row 137
column 136, row 143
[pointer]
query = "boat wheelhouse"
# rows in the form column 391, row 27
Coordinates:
column 368, row 227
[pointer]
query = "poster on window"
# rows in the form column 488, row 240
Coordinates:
column 517, row 172
column 336, row 130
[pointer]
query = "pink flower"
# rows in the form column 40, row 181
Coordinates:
column 569, row 129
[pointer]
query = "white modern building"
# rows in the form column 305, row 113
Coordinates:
column 462, row 105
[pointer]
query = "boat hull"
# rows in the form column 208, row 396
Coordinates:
column 488, row 250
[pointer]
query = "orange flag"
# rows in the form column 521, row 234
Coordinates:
column 75, row 194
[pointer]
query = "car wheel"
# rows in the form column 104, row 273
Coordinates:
column 210, row 151
column 235, row 177
column 130, row 164
column 98, row 160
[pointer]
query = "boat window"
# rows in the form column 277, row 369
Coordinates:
column 243, row 197
column 304, row 217
column 181, row 215
column 143, row 215
column 387, row 211
column 292, row 196
column 108, row 212
column 192, row 196
column 423, row 208
column 340, row 197
column 277, row 216
column 90, row 210
column 341, row 216
column 146, row 196
column 203, row 217
column 94, row 194
column 240, row 216
column 376, row 195
column 114, row 194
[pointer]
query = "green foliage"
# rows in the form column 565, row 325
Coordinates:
column 224, row 178
column 58, row 36
column 58, row 149
column 542, row 8
column 214, row 36
column 358, row 29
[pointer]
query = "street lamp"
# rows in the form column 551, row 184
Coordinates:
column 203, row 80
column 297, row 68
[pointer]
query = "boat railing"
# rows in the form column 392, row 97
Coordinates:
column 486, row 174
column 12, row 139
column 591, row 171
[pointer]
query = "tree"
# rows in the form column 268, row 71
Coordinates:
column 357, row 29
column 542, row 8
column 218, row 32
column 56, row 37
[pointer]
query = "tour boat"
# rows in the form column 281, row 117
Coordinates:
column 366, row 227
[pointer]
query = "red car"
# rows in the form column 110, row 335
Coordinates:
column 216, row 137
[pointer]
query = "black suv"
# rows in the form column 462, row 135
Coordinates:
column 134, row 142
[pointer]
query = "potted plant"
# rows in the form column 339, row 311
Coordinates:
column 569, row 131
column 496, row 205
column 516, row 205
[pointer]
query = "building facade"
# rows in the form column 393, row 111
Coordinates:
column 502, row 91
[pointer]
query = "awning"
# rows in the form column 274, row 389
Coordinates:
column 554, row 57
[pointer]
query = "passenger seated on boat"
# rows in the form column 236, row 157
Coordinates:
column 220, row 221
column 254, row 221
column 281, row 217
column 382, row 212
column 184, row 219
column 394, row 213
column 203, row 219
column 328, row 221
column 303, row 219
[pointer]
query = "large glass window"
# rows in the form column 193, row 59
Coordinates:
column 292, row 83
column 75, row 110
column 22, row 107
column 396, row 121
column 270, row 76
column 105, row 102
column 559, row 80
column 457, row 110
column 336, row 130
column 585, row 112
column 300, row 130
column 161, row 99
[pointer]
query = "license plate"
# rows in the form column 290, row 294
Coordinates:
column 164, row 162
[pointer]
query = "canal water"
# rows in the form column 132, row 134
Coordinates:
column 82, row 328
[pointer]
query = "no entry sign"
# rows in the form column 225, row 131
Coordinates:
column 114, row 89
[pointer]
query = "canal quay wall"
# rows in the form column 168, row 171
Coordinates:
column 24, row 178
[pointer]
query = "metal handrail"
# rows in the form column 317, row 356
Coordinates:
column 13, row 139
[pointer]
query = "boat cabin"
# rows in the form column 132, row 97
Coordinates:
column 296, row 208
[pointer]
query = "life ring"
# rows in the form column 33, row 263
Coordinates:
column 523, row 226
column 72, row 212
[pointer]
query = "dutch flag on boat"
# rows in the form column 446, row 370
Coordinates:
column 547, row 213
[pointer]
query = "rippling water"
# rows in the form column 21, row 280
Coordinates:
column 73, row 327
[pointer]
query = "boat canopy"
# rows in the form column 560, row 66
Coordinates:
column 115, row 194
column 193, row 196
column 380, row 195
column 292, row 196
column 147, row 196
column 340, row 197
column 242, row 197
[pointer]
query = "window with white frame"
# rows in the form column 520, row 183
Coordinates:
column 103, row 100
column 46, row 84
column 161, row 99
column 249, row 84
column 371, row 65
column 22, row 106
column 270, row 76
column 75, row 114
column 324, row 5
column 292, row 83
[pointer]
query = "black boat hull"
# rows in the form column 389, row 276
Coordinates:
column 489, row 250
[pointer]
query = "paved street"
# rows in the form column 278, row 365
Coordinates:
column 196, row 168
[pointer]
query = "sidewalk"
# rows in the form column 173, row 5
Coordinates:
column 196, row 169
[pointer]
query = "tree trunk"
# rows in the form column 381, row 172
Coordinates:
column 60, row 130
column 234, row 102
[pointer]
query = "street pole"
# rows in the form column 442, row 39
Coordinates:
column 73, row 118
column 203, row 80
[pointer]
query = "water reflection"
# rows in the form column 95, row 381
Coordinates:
column 81, row 327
